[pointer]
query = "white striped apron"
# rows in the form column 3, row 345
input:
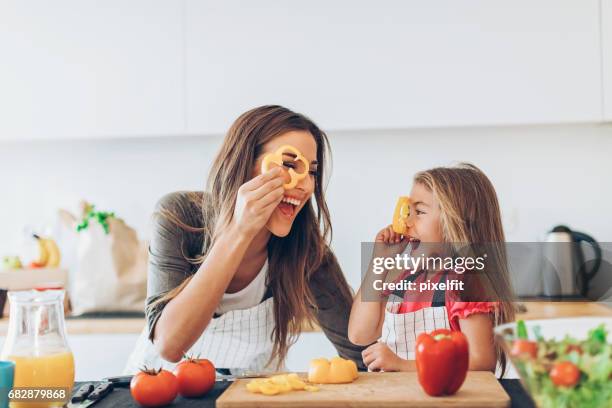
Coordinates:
column 236, row 339
column 400, row 330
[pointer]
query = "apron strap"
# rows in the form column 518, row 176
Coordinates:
column 439, row 297
column 410, row 278
column 269, row 293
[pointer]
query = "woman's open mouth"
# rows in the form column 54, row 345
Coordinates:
column 288, row 206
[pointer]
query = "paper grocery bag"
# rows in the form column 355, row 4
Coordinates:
column 110, row 269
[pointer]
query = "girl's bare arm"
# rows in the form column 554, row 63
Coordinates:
column 478, row 328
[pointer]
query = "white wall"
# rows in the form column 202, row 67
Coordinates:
column 543, row 175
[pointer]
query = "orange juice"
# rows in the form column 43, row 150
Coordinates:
column 49, row 371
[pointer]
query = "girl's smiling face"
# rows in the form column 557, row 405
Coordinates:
column 295, row 199
column 424, row 221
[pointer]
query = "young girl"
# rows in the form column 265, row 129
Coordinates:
column 449, row 207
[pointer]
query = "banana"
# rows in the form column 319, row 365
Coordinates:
column 48, row 253
column 43, row 254
column 54, row 253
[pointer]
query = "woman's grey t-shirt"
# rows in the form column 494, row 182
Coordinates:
column 172, row 246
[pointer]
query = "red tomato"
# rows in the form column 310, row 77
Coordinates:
column 520, row 347
column 195, row 377
column 154, row 388
column 565, row 374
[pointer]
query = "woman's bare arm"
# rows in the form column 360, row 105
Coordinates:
column 184, row 318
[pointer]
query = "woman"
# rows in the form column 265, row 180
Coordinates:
column 236, row 272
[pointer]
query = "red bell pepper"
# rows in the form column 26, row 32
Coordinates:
column 442, row 360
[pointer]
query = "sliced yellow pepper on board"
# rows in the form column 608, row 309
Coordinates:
column 253, row 386
column 296, row 383
column 281, row 382
column 269, row 389
column 278, row 384
column 401, row 214
column 277, row 158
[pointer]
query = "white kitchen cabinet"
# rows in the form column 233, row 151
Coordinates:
column 606, row 20
column 85, row 68
column 394, row 63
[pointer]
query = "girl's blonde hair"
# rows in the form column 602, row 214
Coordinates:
column 470, row 216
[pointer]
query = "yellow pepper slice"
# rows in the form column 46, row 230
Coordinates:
column 401, row 214
column 269, row 389
column 254, row 386
column 296, row 382
column 277, row 158
column 276, row 384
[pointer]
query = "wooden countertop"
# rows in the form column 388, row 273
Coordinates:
column 535, row 310
column 122, row 325
column 550, row 310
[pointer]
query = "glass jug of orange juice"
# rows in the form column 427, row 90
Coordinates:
column 36, row 342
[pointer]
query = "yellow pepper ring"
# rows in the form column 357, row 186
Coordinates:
column 401, row 214
column 277, row 158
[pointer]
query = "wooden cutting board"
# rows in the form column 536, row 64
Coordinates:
column 481, row 389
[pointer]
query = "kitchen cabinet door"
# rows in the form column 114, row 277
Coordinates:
column 85, row 68
column 606, row 20
column 394, row 63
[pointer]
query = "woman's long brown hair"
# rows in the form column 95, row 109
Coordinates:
column 293, row 259
column 470, row 215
